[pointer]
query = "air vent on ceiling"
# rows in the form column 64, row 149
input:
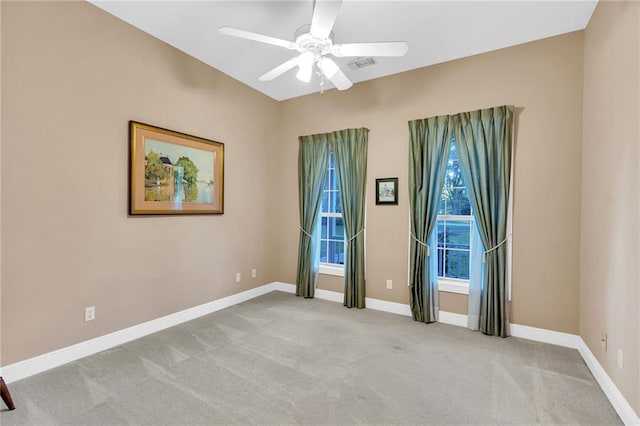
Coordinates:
column 356, row 64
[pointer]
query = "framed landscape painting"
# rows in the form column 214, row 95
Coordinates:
column 174, row 173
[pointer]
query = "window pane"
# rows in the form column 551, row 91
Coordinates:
column 456, row 198
column 454, row 235
column 336, row 252
column 454, row 192
column 334, row 180
column 440, row 230
column 459, row 201
column 451, row 175
column 336, row 228
column 453, row 151
column 324, row 224
column 441, row 206
column 458, row 234
column 332, row 228
column 457, row 264
column 323, row 251
column 338, row 202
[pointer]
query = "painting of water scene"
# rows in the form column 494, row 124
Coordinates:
column 174, row 173
column 177, row 174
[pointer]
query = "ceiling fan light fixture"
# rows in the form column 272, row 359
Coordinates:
column 305, row 66
column 314, row 42
column 328, row 67
column 304, row 74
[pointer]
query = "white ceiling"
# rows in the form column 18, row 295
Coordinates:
column 436, row 31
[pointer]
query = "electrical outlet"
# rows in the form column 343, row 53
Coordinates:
column 620, row 359
column 89, row 313
column 254, row 273
column 238, row 277
column 389, row 284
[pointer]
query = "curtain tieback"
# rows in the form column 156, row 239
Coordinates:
column 420, row 242
column 484, row 257
column 305, row 232
column 354, row 237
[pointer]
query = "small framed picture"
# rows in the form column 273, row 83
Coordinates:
column 387, row 191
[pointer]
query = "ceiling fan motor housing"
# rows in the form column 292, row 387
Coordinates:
column 314, row 43
column 305, row 42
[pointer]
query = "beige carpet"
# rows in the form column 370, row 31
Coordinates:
column 279, row 359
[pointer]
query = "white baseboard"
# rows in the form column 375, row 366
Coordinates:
column 453, row 319
column 621, row 405
column 617, row 400
column 287, row 288
column 392, row 307
column 38, row 364
column 329, row 295
column 375, row 304
column 546, row 336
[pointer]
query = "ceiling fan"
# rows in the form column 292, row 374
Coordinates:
column 315, row 44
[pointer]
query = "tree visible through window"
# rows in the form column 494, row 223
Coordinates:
column 332, row 223
column 454, row 223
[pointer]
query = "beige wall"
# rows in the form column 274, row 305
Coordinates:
column 609, row 296
column 72, row 78
column 544, row 81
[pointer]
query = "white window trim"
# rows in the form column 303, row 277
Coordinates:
column 328, row 214
column 332, row 269
column 452, row 285
column 451, row 217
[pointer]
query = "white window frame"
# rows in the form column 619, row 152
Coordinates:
column 331, row 268
column 456, row 285
column 335, row 269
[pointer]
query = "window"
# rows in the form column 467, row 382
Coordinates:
column 453, row 229
column 332, row 225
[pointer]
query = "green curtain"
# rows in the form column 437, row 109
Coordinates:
column 484, row 142
column 429, row 141
column 350, row 154
column 313, row 157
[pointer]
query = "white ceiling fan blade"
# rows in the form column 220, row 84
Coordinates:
column 324, row 15
column 257, row 37
column 331, row 70
column 280, row 69
column 392, row 48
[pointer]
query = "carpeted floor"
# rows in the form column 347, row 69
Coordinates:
column 279, row 359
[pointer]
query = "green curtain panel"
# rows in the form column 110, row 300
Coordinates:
column 484, row 141
column 313, row 157
column 429, row 141
column 350, row 154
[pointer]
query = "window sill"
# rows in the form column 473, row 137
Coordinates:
column 331, row 269
column 453, row 286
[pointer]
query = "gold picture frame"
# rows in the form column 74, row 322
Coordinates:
column 174, row 173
